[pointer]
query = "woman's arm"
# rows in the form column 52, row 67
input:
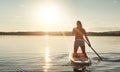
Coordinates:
column 86, row 37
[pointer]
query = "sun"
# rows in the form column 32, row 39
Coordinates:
column 49, row 14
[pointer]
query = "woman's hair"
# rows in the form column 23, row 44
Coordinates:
column 79, row 24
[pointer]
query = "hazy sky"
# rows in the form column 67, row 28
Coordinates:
column 55, row 15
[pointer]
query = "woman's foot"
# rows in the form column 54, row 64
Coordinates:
column 75, row 55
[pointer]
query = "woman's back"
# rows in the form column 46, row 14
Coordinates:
column 79, row 33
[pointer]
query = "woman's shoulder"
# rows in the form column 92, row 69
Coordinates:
column 83, row 29
column 74, row 28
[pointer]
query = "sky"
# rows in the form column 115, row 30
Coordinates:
column 59, row 15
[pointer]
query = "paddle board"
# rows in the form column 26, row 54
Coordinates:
column 78, row 60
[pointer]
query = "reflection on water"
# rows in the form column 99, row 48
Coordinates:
column 47, row 59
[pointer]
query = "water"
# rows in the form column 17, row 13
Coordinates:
column 50, row 53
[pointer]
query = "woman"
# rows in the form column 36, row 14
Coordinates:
column 80, row 36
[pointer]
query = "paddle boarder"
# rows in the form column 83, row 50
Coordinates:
column 80, row 37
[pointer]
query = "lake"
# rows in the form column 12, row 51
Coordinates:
column 50, row 53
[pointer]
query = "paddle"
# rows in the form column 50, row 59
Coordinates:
column 95, row 52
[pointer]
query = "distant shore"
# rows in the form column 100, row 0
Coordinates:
column 62, row 33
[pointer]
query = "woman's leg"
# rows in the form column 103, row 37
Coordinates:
column 83, row 51
column 75, row 49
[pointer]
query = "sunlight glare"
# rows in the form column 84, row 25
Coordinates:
column 49, row 15
column 47, row 59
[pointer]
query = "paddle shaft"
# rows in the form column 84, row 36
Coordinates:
column 97, row 54
column 95, row 51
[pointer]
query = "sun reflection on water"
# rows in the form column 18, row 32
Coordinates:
column 47, row 59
